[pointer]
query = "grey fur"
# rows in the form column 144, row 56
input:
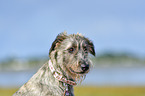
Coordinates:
column 68, row 54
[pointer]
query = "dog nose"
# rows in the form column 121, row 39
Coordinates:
column 84, row 67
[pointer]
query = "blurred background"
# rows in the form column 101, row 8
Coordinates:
column 116, row 27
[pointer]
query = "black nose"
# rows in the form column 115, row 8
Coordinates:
column 84, row 67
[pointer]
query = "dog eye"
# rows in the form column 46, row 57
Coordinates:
column 71, row 50
column 85, row 48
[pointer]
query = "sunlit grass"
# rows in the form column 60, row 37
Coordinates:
column 109, row 91
column 7, row 92
column 95, row 91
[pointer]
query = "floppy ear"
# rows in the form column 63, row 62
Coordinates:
column 60, row 37
column 91, row 46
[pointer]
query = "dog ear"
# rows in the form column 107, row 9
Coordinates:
column 60, row 37
column 91, row 46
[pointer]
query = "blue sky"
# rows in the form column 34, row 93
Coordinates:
column 28, row 27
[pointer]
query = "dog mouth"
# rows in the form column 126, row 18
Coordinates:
column 82, row 72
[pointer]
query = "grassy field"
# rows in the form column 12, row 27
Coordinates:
column 95, row 91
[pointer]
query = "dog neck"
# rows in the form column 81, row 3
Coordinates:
column 68, row 84
column 59, row 76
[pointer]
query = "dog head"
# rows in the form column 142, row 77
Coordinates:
column 69, row 53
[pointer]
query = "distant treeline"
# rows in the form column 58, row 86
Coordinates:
column 118, row 59
column 15, row 63
column 103, row 59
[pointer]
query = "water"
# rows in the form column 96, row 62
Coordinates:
column 96, row 77
column 116, row 77
column 8, row 79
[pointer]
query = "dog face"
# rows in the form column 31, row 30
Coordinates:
column 71, row 53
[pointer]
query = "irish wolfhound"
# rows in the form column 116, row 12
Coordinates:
column 68, row 64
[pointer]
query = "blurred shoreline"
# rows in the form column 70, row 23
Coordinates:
column 103, row 60
column 109, row 69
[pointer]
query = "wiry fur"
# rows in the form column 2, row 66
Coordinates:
column 68, row 53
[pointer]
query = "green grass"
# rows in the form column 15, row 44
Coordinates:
column 7, row 92
column 95, row 91
column 109, row 91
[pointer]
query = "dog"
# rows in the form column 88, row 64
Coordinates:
column 68, row 65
